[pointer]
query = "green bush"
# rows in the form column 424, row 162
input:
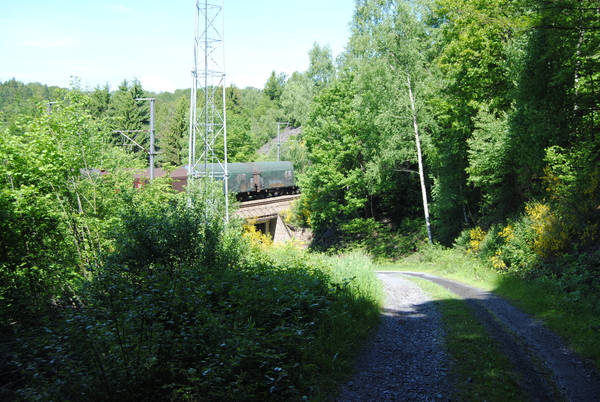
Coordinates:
column 184, row 309
column 382, row 240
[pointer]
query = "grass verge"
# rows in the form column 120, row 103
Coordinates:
column 482, row 372
column 566, row 307
column 573, row 315
column 449, row 263
column 350, row 319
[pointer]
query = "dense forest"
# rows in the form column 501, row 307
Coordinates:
column 502, row 98
column 465, row 123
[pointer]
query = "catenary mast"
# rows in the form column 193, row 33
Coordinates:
column 208, row 128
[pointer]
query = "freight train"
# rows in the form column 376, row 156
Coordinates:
column 250, row 180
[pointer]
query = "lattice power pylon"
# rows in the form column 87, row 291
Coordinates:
column 208, row 128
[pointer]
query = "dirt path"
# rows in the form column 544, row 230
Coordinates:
column 405, row 360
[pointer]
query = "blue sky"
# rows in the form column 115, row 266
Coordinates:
column 152, row 40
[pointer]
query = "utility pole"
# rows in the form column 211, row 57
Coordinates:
column 279, row 138
column 131, row 136
column 50, row 106
column 151, row 152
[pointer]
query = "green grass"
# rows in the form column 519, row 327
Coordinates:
column 350, row 319
column 481, row 371
column 449, row 263
column 356, row 269
column 573, row 315
column 573, row 312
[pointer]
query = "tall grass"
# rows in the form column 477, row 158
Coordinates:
column 349, row 320
column 357, row 270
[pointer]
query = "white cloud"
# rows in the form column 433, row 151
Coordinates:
column 157, row 84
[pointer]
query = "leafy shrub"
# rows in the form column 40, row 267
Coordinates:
column 382, row 240
column 507, row 248
column 182, row 309
column 254, row 235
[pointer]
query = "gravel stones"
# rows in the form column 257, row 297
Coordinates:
column 404, row 361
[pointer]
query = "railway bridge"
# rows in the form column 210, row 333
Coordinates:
column 266, row 215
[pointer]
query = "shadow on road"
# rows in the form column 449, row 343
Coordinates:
column 546, row 368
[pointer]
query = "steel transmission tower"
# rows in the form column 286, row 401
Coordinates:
column 208, row 128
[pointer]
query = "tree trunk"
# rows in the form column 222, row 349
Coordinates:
column 419, row 158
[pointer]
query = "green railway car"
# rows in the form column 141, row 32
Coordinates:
column 247, row 180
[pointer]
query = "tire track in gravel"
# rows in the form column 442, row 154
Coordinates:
column 405, row 359
column 549, row 370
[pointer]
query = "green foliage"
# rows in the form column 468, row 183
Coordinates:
column 200, row 320
column 53, row 199
column 128, row 113
column 241, row 143
column 321, row 70
column 361, row 135
column 489, row 161
column 297, row 98
column 19, row 99
column 172, row 137
column 356, row 268
column 275, row 85
column 384, row 241
column 334, row 184
column 478, row 60
column 111, row 293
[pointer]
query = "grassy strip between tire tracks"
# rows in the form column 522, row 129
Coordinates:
column 482, row 372
column 569, row 309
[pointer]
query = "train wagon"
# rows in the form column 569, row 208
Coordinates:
column 246, row 180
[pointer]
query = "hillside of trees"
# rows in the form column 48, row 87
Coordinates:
column 465, row 123
column 503, row 98
column 500, row 95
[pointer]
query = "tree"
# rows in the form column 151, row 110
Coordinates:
column 274, row 86
column 556, row 104
column 241, row 146
column 321, row 70
column 18, row 100
column 172, row 140
column 334, row 185
column 56, row 207
column 391, row 34
column 100, row 101
column 477, row 57
column 297, row 98
column 130, row 114
column 553, row 133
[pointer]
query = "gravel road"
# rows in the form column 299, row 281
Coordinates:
column 405, row 359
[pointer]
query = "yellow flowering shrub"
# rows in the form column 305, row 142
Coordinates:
column 508, row 233
column 552, row 234
column 258, row 238
column 476, row 237
column 497, row 261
